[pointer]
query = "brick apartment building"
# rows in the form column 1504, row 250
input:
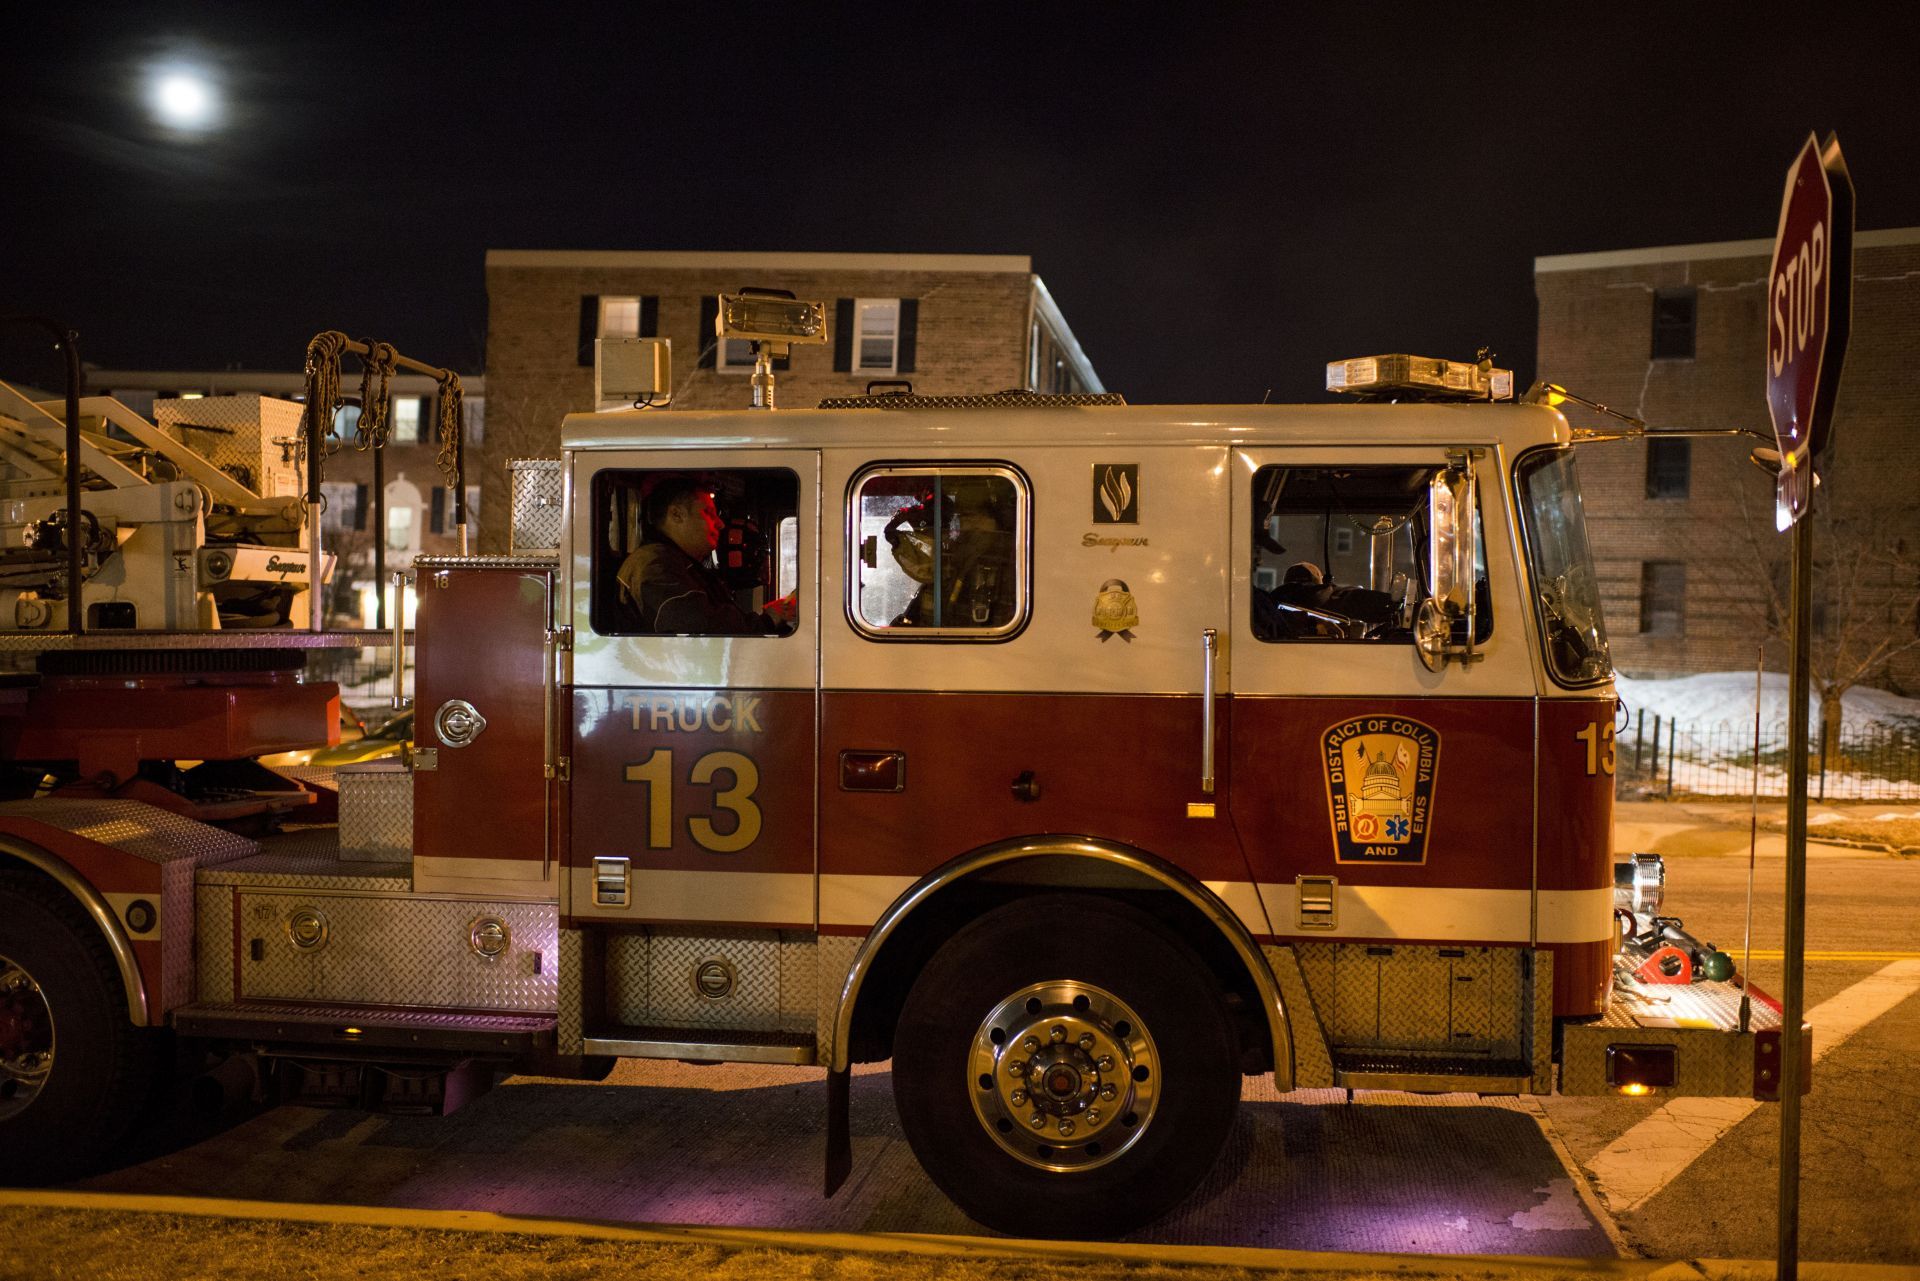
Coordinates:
column 1683, row 530
column 948, row 323
column 419, row 508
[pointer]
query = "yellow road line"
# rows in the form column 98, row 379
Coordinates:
column 1775, row 954
column 1492, row 1267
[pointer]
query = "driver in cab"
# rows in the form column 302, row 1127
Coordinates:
column 668, row 585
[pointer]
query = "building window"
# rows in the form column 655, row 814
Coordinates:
column 1673, row 315
column 343, row 505
column 735, row 356
column 474, row 410
column 1663, row 592
column 619, row 317
column 876, row 328
column 399, row 527
column 1669, row 468
column 407, row 413
column 939, row 553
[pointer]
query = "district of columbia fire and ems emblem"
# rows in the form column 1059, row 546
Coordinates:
column 1380, row 772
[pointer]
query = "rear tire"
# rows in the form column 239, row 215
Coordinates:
column 76, row 1071
column 1064, row 1067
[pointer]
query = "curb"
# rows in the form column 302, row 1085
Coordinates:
column 1276, row 1262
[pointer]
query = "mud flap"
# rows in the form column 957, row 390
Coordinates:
column 839, row 1130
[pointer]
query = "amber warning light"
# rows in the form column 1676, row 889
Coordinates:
column 1419, row 378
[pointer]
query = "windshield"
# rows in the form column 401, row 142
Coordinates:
column 1568, row 594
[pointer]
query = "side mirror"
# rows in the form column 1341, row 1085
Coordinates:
column 1453, row 543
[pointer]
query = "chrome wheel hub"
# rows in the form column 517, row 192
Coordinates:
column 26, row 1039
column 1063, row 1075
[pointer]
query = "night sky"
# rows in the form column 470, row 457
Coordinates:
column 1220, row 198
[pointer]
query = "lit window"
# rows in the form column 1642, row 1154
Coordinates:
column 406, row 420
column 399, row 527
column 876, row 334
column 940, row 553
column 619, row 317
column 342, row 500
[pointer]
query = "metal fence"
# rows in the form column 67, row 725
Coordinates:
column 1663, row 757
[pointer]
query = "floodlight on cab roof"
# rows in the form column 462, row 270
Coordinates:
column 772, row 320
column 1420, row 378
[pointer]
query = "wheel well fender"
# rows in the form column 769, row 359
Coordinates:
column 925, row 915
column 16, row 853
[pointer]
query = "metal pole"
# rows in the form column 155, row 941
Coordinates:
column 1753, row 843
column 1673, row 725
column 316, row 452
column 75, row 608
column 1639, row 732
column 1653, row 769
column 380, row 535
column 1792, row 994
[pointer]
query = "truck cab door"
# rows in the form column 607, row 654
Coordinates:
column 691, row 795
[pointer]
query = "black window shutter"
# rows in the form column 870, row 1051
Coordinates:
column 709, row 312
column 650, row 316
column 909, row 334
column 439, row 518
column 589, row 326
column 843, row 335
column 359, row 506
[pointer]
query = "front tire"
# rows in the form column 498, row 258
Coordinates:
column 1064, row 1067
column 74, row 1070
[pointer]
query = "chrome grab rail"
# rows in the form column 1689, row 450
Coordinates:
column 550, row 655
column 1209, row 642
column 399, row 577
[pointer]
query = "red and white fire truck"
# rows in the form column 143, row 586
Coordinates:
column 1080, row 758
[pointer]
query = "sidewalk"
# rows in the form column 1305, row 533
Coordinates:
column 55, row 1234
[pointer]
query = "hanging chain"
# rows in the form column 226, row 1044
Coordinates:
column 447, row 458
column 323, row 390
column 376, row 396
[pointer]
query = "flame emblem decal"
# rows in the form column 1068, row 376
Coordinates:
column 1116, row 493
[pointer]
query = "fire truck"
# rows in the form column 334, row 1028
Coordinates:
column 1080, row 758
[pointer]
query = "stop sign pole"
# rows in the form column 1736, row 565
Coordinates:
column 1809, row 310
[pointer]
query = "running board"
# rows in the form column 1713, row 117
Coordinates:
column 342, row 1026
column 1429, row 1074
column 703, row 1045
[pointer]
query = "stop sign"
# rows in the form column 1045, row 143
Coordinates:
column 1808, row 309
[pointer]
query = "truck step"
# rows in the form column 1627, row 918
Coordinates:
column 702, row 1045
column 291, row 1023
column 1429, row 1073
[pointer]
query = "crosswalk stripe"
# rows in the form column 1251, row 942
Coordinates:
column 1635, row 1166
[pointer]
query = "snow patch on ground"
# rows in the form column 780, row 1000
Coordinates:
column 1715, row 698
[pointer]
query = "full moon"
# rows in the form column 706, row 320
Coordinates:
column 185, row 100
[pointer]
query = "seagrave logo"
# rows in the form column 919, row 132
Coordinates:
column 1116, row 493
column 277, row 566
column 1380, row 773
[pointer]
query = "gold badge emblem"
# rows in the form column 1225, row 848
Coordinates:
column 1114, row 612
column 1380, row 774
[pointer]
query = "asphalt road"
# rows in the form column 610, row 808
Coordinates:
column 741, row 1146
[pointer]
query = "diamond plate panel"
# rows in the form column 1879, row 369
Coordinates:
column 400, row 951
column 148, row 833
column 536, row 505
column 376, row 812
column 309, row 859
column 1700, row 1020
column 1540, row 1016
column 213, row 943
column 245, row 446
column 448, row 1020
column 627, row 977
column 1400, row 997
column 176, row 934
column 754, row 1003
column 1312, row 1067
column 799, row 977
column 1316, row 966
column 834, row 955
column 570, row 1031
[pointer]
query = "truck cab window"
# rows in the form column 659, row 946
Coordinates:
column 1566, row 590
column 938, row 552
column 695, row 553
column 1340, row 554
